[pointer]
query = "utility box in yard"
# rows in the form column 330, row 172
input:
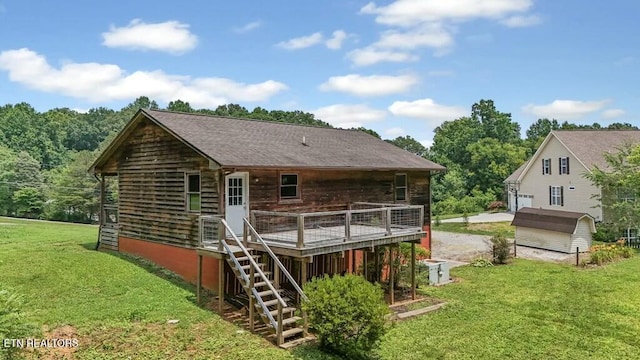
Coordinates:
column 438, row 271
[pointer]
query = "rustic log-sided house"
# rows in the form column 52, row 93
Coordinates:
column 259, row 207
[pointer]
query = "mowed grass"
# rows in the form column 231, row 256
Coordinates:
column 118, row 307
column 488, row 229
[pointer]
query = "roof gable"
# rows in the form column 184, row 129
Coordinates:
column 587, row 146
column 241, row 143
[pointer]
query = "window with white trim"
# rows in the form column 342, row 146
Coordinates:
column 555, row 196
column 400, row 187
column 564, row 165
column 546, row 166
column 289, row 188
column 193, row 191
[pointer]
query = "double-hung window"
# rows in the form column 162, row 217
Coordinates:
column 400, row 187
column 546, row 166
column 289, row 187
column 563, row 164
column 556, row 196
column 193, row 191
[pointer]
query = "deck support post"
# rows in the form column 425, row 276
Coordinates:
column 221, row 286
column 413, row 271
column 391, row 263
column 300, row 242
column 303, row 280
column 354, row 268
column 199, row 279
column 365, row 263
column 376, row 271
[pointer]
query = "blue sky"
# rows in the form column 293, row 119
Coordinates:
column 399, row 67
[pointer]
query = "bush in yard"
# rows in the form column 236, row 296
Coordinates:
column 501, row 249
column 496, row 206
column 606, row 253
column 347, row 313
column 13, row 324
column 481, row 263
column 604, row 233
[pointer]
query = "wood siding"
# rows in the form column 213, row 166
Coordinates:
column 151, row 166
column 330, row 190
column 536, row 184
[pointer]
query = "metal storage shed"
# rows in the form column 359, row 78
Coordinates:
column 555, row 230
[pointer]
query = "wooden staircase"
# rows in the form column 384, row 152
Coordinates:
column 266, row 298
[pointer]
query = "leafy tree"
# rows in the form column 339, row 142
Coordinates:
column 541, row 128
column 495, row 124
column 181, row 106
column 19, row 172
column 28, row 202
column 86, row 131
column 368, row 131
column 493, row 161
column 411, row 145
column 620, row 188
column 621, row 126
column 74, row 192
column 451, row 139
column 452, row 183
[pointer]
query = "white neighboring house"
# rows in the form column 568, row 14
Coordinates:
column 554, row 176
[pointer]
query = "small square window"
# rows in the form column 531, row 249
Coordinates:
column 289, row 186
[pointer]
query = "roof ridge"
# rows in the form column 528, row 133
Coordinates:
column 331, row 127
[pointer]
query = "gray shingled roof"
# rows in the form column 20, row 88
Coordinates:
column 590, row 145
column 552, row 220
column 516, row 174
column 252, row 143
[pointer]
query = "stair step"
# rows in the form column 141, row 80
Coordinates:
column 296, row 342
column 273, row 302
column 286, row 310
column 291, row 332
column 267, row 293
column 247, row 267
column 246, row 258
column 260, row 284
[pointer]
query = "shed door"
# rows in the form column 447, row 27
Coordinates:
column 236, row 201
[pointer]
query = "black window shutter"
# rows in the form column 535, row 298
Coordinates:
column 550, row 166
column 542, row 166
column 549, row 195
column 561, row 195
column 567, row 165
column 559, row 166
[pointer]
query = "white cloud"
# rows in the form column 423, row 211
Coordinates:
column 565, row 109
column 413, row 12
column 613, row 113
column 426, row 143
column 430, row 35
column 394, row 132
column 370, row 56
column 335, row 42
column 522, row 20
column 301, row 42
column 248, row 27
column 170, row 36
column 427, row 109
column 348, row 116
column 107, row 82
column 373, row 85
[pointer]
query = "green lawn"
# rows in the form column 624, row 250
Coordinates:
column 118, row 307
column 478, row 228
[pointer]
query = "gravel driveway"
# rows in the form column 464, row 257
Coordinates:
column 463, row 248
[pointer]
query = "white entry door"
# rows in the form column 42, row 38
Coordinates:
column 236, row 201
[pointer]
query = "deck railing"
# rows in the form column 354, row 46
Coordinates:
column 363, row 221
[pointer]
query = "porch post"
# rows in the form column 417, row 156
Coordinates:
column 413, row 271
column 353, row 262
column 221, row 286
column 376, row 264
column 365, row 258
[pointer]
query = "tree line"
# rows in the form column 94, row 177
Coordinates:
column 44, row 156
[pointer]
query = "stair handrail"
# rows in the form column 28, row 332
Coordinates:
column 246, row 278
column 252, row 262
column 275, row 259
